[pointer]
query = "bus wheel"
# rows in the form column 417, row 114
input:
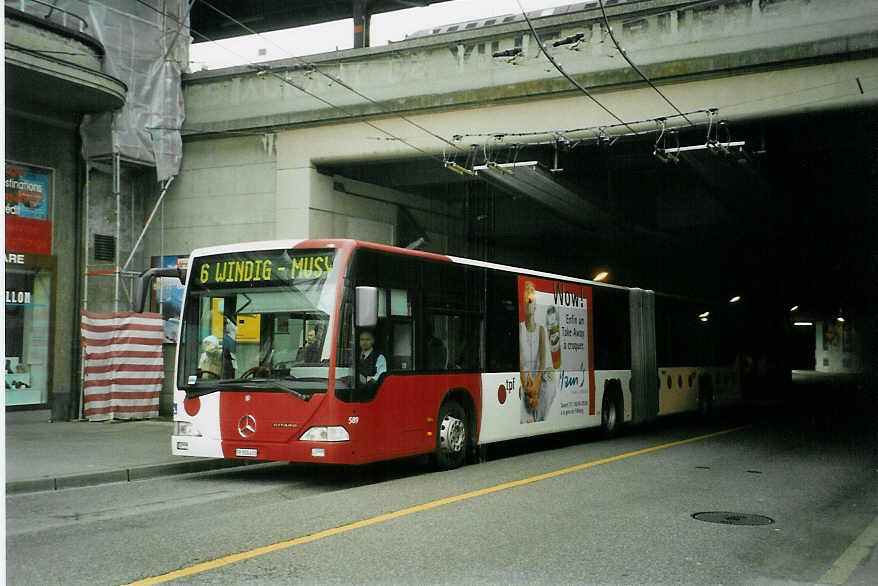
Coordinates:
column 611, row 414
column 451, row 436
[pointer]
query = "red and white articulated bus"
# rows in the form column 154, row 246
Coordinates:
column 270, row 361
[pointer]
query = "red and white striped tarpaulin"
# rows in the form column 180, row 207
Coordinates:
column 123, row 365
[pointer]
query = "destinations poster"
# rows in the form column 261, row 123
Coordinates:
column 28, row 209
column 555, row 349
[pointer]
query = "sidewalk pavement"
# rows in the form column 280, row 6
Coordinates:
column 43, row 455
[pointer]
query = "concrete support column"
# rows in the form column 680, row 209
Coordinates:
column 297, row 189
column 362, row 21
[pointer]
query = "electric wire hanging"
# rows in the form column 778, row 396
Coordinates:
column 634, row 65
column 566, row 75
column 660, row 149
column 267, row 71
column 314, row 68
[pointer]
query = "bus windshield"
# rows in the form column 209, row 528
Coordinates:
column 259, row 320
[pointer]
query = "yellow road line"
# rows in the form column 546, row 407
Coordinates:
column 260, row 551
column 852, row 557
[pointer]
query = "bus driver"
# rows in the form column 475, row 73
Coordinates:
column 370, row 364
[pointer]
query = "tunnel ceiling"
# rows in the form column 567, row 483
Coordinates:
column 270, row 15
column 792, row 221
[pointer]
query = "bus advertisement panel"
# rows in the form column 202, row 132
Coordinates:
column 555, row 342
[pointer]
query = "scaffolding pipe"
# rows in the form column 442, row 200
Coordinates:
column 158, row 203
column 117, row 190
column 162, row 260
column 84, row 282
column 183, row 23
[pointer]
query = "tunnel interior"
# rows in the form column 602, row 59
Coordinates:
column 788, row 218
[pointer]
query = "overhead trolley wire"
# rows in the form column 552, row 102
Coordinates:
column 265, row 70
column 634, row 65
column 569, row 77
column 563, row 132
column 312, row 66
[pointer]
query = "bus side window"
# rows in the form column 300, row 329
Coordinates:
column 465, row 342
column 501, row 336
column 436, row 346
column 400, row 322
column 401, row 357
column 612, row 329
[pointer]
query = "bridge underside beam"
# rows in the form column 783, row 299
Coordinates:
column 271, row 15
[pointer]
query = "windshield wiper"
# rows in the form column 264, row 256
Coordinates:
column 287, row 388
column 304, row 379
column 257, row 384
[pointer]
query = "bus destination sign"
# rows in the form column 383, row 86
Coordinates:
column 255, row 268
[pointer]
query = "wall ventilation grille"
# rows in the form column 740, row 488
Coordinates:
column 105, row 247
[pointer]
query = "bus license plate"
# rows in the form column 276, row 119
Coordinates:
column 248, row 452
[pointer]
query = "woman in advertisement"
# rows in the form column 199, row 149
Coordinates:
column 537, row 392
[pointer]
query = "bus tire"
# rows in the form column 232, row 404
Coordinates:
column 452, row 436
column 612, row 414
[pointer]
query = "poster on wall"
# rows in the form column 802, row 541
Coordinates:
column 830, row 336
column 555, row 350
column 27, row 330
column 168, row 294
column 28, row 208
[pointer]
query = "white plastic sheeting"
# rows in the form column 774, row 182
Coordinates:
column 147, row 48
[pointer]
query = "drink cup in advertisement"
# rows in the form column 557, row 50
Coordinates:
column 553, row 327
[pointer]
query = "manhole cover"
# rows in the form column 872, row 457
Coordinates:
column 733, row 518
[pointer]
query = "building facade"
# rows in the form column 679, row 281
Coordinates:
column 54, row 77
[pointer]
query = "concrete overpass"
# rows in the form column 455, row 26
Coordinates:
column 353, row 144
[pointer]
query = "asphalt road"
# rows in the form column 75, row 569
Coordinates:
column 624, row 520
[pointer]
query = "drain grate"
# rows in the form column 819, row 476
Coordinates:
column 727, row 518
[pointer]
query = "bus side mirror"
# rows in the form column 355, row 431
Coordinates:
column 367, row 307
column 145, row 280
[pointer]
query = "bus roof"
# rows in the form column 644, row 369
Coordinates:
column 349, row 244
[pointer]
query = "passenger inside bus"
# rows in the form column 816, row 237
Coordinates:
column 309, row 352
column 371, row 364
column 437, row 355
column 210, row 362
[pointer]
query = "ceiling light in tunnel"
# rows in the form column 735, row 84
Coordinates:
column 735, row 299
column 794, row 308
column 452, row 166
column 600, row 276
column 803, row 323
column 498, row 168
column 705, row 314
column 713, row 146
column 840, row 319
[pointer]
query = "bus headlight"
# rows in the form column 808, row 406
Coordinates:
column 333, row 433
column 185, row 428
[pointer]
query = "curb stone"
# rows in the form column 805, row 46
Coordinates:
column 123, row 475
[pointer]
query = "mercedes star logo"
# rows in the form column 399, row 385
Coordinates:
column 247, row 425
